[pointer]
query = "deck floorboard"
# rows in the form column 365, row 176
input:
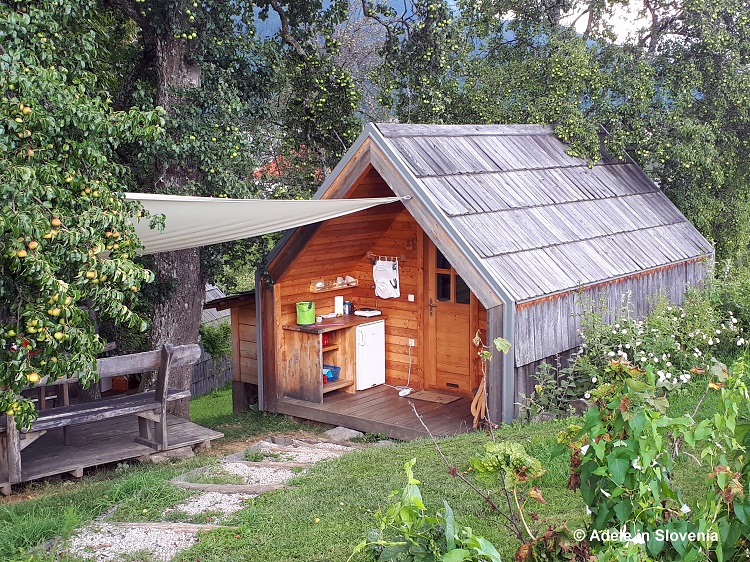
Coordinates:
column 102, row 442
column 382, row 410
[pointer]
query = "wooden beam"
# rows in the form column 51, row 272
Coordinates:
column 10, row 452
column 28, row 438
column 267, row 374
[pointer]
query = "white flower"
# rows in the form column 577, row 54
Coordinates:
column 627, row 346
column 588, row 510
column 643, row 359
column 617, row 326
column 636, row 464
column 668, row 375
column 611, row 353
column 741, row 341
column 669, row 308
column 594, row 379
column 604, row 492
column 734, row 320
column 660, row 373
column 669, row 363
column 623, row 332
column 584, row 449
column 614, row 331
column 687, row 376
column 718, row 332
column 587, row 395
column 717, row 340
column 683, row 378
column 685, row 509
column 710, row 341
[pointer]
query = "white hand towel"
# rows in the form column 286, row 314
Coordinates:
column 385, row 275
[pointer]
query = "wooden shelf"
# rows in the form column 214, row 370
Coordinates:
column 335, row 385
column 330, row 285
column 332, row 347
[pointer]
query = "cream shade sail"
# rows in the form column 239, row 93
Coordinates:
column 200, row 221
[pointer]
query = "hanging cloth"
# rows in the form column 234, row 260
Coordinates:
column 385, row 275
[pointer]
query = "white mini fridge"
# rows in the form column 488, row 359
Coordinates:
column 370, row 354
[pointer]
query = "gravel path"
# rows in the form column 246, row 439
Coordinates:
column 258, row 474
column 105, row 542
column 212, row 501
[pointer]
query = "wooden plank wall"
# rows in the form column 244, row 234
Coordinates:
column 549, row 327
column 339, row 248
column 244, row 347
column 336, row 249
column 403, row 238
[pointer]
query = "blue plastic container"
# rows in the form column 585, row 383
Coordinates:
column 331, row 372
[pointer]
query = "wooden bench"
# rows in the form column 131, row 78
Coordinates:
column 150, row 407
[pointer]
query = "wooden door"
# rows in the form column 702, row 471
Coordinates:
column 451, row 311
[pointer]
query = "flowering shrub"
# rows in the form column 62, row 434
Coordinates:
column 677, row 341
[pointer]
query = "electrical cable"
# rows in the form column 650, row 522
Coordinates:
column 406, row 389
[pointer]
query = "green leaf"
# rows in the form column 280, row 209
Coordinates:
column 619, row 468
column 450, row 526
column 486, row 549
column 502, row 345
column 456, row 555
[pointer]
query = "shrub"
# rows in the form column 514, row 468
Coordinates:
column 555, row 387
column 217, row 340
column 623, row 458
column 674, row 340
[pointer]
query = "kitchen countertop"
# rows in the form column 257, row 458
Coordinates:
column 333, row 324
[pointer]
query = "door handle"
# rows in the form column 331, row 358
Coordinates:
column 432, row 305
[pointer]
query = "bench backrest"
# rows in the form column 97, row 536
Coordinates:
column 168, row 357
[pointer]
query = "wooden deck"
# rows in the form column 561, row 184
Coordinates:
column 102, row 442
column 382, row 410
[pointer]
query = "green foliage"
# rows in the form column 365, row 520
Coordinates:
column 554, row 389
column 506, row 460
column 417, row 80
column 730, row 291
column 217, row 340
column 677, row 341
column 407, row 533
column 625, row 469
column 66, row 238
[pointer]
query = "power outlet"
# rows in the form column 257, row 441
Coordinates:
column 411, row 343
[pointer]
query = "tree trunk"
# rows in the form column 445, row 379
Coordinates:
column 176, row 319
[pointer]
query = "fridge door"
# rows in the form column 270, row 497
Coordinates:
column 370, row 359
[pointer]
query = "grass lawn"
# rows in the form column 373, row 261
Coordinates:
column 341, row 493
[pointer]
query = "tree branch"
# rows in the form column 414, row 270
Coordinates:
column 512, row 524
column 286, row 33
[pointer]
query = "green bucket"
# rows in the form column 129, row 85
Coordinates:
column 305, row 313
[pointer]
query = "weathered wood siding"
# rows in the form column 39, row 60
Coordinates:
column 549, row 326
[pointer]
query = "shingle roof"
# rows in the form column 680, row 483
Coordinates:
column 541, row 220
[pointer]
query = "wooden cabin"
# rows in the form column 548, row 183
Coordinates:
column 499, row 231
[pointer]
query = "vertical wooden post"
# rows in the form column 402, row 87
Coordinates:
column 10, row 455
column 162, row 387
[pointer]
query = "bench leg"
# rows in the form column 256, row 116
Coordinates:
column 146, row 430
column 10, row 454
column 161, row 434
